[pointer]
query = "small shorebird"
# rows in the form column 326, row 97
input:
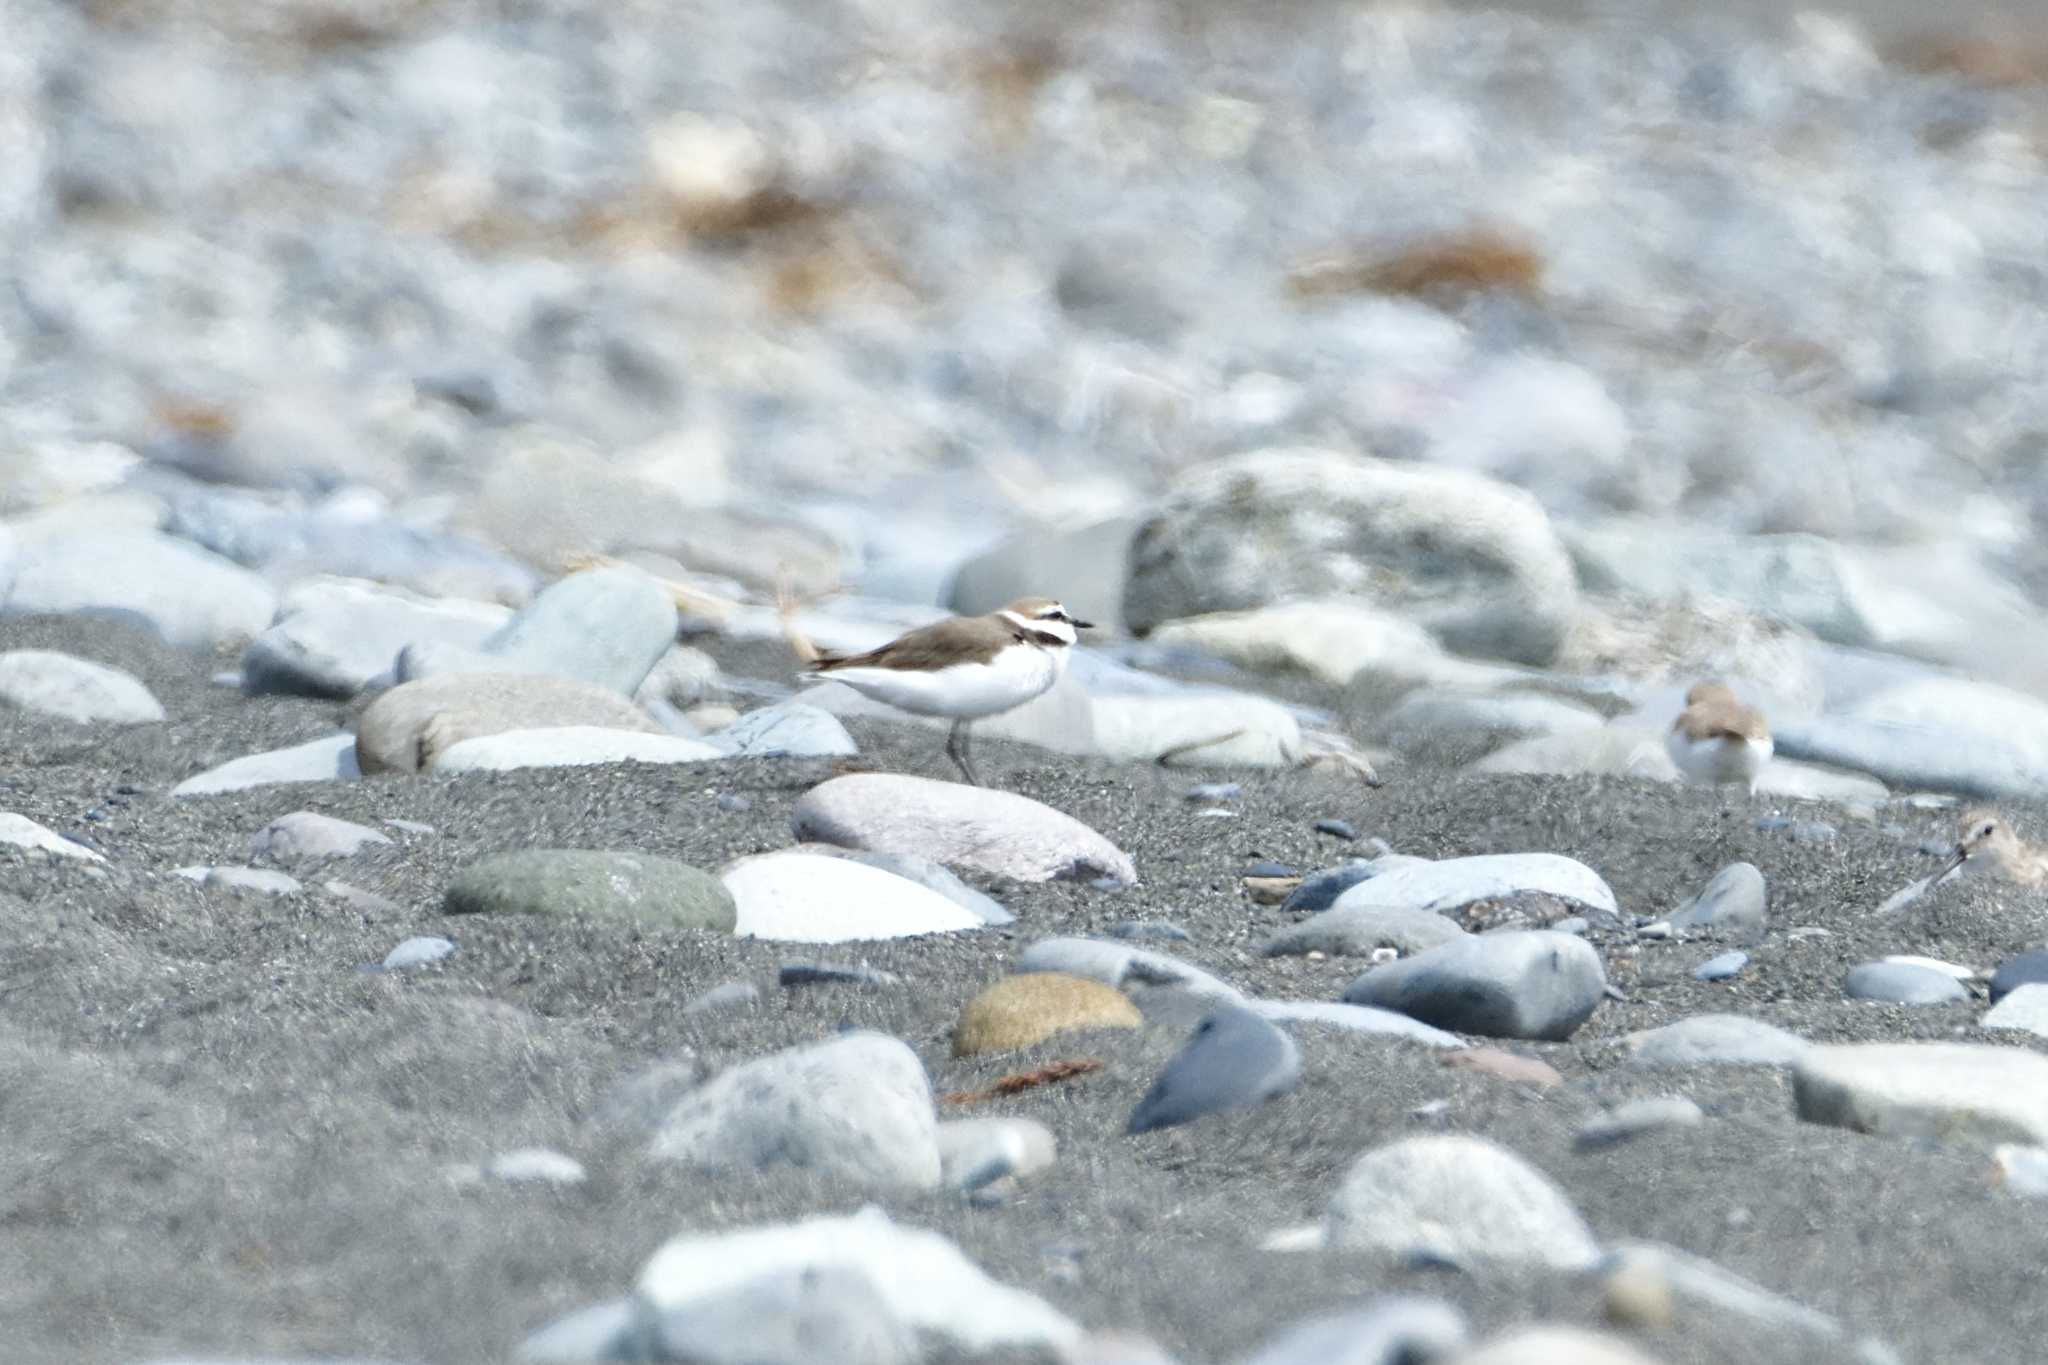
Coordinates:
column 1987, row 847
column 1717, row 739
column 966, row 668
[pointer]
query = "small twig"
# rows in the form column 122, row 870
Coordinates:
column 1049, row 1074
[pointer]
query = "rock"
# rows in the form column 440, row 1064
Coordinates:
column 304, row 836
column 1902, row 983
column 1458, row 1198
column 1637, row 1117
column 732, row 995
column 263, row 880
column 799, row 898
column 1508, row 1066
column 786, row 1315
column 790, row 729
column 23, row 833
column 1354, row 1019
column 600, row 1332
column 408, row 728
column 1517, row 983
column 1973, row 1092
column 1913, row 757
column 1448, row 886
column 192, row 599
column 1213, row 791
column 1390, row 1330
column 1338, row 829
column 1334, row 641
column 1429, row 714
column 638, row 887
column 1117, row 963
column 920, row 1279
column 994, row 831
column 1474, row 561
column 857, row 1109
column 794, row 974
column 1019, row 1011
column 54, row 684
column 1556, row 1346
column 1195, row 729
column 534, row 1166
column 2028, row 968
column 1620, row 748
column 2025, row 1008
column 1722, row 966
column 1357, row 930
column 331, row 758
column 1091, row 562
column 1234, row 1060
column 1968, row 712
column 1813, row 782
column 684, row 678
column 1716, row 1292
column 926, row 873
column 566, row 746
column 417, row 952
column 1731, row 904
column 975, row 1152
column 1716, row 1040
column 1319, row 890
column 343, row 637
column 608, row 627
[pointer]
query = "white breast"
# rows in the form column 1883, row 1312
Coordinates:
column 959, row 691
column 1719, row 759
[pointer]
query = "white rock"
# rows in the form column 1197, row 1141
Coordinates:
column 72, row 689
column 307, row 836
column 799, row 898
column 1333, row 640
column 1716, row 1040
column 973, row 1152
column 535, row 1166
column 567, row 746
column 331, row 758
column 24, row 833
column 1454, row 882
column 336, row 636
column 1458, row 1197
column 2023, row 1007
column 1949, row 1091
column 1196, row 729
column 1117, row 963
column 190, row 597
column 1354, row 1019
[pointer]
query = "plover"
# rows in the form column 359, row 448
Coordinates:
column 1987, row 847
column 966, row 668
column 1717, row 739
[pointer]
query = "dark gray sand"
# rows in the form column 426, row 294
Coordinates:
column 217, row 1135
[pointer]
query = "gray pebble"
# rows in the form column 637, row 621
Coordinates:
column 1214, row 791
column 417, row 952
column 1902, row 983
column 835, row 974
column 1270, row 869
column 1338, row 829
column 1723, row 966
column 1733, row 903
column 1319, row 890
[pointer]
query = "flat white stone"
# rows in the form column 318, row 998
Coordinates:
column 801, row 898
column 1452, row 882
column 75, row 689
column 1949, row 1091
column 25, row 833
column 567, row 746
column 327, row 759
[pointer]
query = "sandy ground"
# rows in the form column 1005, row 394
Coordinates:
column 216, row 1134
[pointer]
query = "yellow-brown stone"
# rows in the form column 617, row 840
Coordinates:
column 1021, row 1010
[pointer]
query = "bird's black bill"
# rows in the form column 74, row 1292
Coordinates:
column 1082, row 625
column 1955, row 860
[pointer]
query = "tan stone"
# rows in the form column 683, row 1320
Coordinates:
column 402, row 730
column 1021, row 1010
column 1509, row 1066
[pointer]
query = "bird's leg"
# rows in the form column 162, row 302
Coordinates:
column 956, row 749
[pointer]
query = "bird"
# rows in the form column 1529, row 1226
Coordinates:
column 1987, row 847
column 964, row 668
column 1717, row 739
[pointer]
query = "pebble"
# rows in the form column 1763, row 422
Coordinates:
column 1358, row 930
column 857, row 1108
column 1449, row 885
column 189, row 597
column 1234, row 1060
column 1722, row 966
column 607, row 627
column 1715, row 1040
column 417, row 952
column 1338, row 829
column 409, row 727
column 566, row 746
column 1731, row 904
column 1687, row 1279
column 344, row 637
column 306, row 836
column 1902, row 983
column 534, row 1166
column 1637, row 1117
column 1115, row 963
column 23, row 833
column 1508, row 1066
column 73, row 689
column 994, row 831
column 1319, row 890
column 1270, row 869
column 794, row 974
column 1517, row 983
column 1214, row 791
column 331, row 758
column 1165, row 931
column 2024, row 1008
column 1459, row 1198
column 1976, row 1092
column 1389, row 1330
column 264, row 880
column 1354, row 1019
column 790, row 729
column 1019, row 1011
column 926, row 873
column 732, row 995
column 2028, row 968
column 659, row 893
column 802, row 898
column 976, row 1152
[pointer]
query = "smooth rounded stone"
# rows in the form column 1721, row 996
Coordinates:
column 1975, row 1092
column 1195, row 729
column 1235, row 1060
column 1334, row 640
column 1637, row 1117
column 1430, row 713
column 1722, row 966
column 1816, row 782
column 1092, row 560
column 344, row 637
column 1543, row 1345
column 1391, row 1330
column 1694, row 1280
column 1117, row 963
column 189, row 597
column 406, row 729
column 1356, row 931
column 1213, row 791
column 417, row 952
column 810, row 1315
column 1319, row 890
column 2028, row 968
column 598, row 1332
column 1620, row 748
column 607, row 626
column 264, row 880
column 73, row 689
column 566, row 746
column 1731, row 903
column 930, row 875
column 1515, row 983
column 1354, row 1019
column 975, row 1152
column 1338, row 829
column 790, row 729
column 802, row 898
column 1448, row 885
column 1019, row 1011
column 857, row 1108
column 656, row 892
column 1902, row 983
column 1461, row 1199
column 307, row 836
column 331, row 758
column 994, row 831
column 1715, row 1040
column 1913, row 756
column 23, row 833
column 1271, row 869
column 920, row 1279
column 2025, row 1008
column 1473, row 560
column 684, row 678
column 793, row 974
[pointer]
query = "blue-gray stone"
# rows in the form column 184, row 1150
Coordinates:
column 2027, row 969
column 1234, row 1060
column 417, row 952
column 1902, row 983
column 1733, row 903
column 1269, row 869
column 1721, row 967
column 1214, row 791
column 835, row 974
column 346, row 641
column 790, row 729
column 1514, row 983
column 1319, row 890
column 1337, row 829
column 608, row 627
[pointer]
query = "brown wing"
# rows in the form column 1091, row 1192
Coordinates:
column 1721, row 720
column 959, row 639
